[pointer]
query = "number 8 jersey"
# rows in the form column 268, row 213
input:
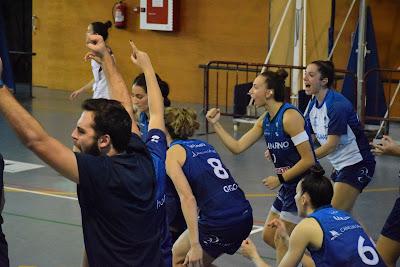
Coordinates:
column 219, row 198
column 345, row 242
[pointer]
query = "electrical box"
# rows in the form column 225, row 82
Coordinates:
column 158, row 15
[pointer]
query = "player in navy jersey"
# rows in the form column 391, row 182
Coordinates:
column 332, row 236
column 335, row 125
column 217, row 214
column 288, row 143
column 388, row 243
column 140, row 100
column 176, row 222
column 156, row 143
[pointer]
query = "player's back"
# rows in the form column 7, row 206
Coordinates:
column 345, row 243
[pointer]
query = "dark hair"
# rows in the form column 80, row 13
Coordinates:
column 140, row 80
column 111, row 118
column 276, row 82
column 101, row 28
column 181, row 123
column 327, row 70
column 318, row 187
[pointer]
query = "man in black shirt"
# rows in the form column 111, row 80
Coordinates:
column 114, row 173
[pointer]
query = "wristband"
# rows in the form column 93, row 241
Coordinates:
column 280, row 178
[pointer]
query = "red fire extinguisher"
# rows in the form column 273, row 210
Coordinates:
column 119, row 14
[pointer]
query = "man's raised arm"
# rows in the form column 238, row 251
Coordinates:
column 118, row 89
column 34, row 137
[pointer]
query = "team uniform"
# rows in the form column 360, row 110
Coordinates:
column 3, row 243
column 175, row 220
column 225, row 215
column 156, row 143
column 284, row 156
column 352, row 160
column 100, row 87
column 143, row 124
column 117, row 196
column 345, row 243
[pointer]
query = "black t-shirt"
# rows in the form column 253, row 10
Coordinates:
column 117, row 198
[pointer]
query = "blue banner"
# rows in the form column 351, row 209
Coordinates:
column 375, row 97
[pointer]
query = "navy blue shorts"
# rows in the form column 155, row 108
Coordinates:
column 228, row 239
column 358, row 175
column 285, row 205
column 391, row 229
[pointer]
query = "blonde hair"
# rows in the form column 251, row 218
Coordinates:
column 181, row 123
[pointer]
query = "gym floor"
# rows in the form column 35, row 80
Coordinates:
column 42, row 221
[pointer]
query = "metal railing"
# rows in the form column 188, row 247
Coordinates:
column 390, row 78
column 220, row 78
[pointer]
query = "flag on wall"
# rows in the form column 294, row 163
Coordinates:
column 375, row 97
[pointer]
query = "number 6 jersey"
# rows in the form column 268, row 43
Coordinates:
column 345, row 242
column 219, row 198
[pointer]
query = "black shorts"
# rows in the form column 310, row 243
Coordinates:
column 285, row 205
column 358, row 175
column 228, row 239
column 391, row 229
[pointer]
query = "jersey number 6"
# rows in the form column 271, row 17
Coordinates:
column 362, row 251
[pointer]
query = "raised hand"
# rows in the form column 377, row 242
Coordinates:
column 97, row 45
column 139, row 58
column 213, row 115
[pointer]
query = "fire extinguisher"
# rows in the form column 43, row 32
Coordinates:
column 119, row 14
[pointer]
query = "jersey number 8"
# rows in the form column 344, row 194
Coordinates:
column 219, row 171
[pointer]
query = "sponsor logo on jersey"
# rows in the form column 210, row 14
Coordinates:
column 341, row 218
column 278, row 145
column 281, row 170
column 155, row 138
column 230, row 188
column 208, row 151
column 334, row 234
column 160, row 202
column 197, row 145
column 350, row 227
